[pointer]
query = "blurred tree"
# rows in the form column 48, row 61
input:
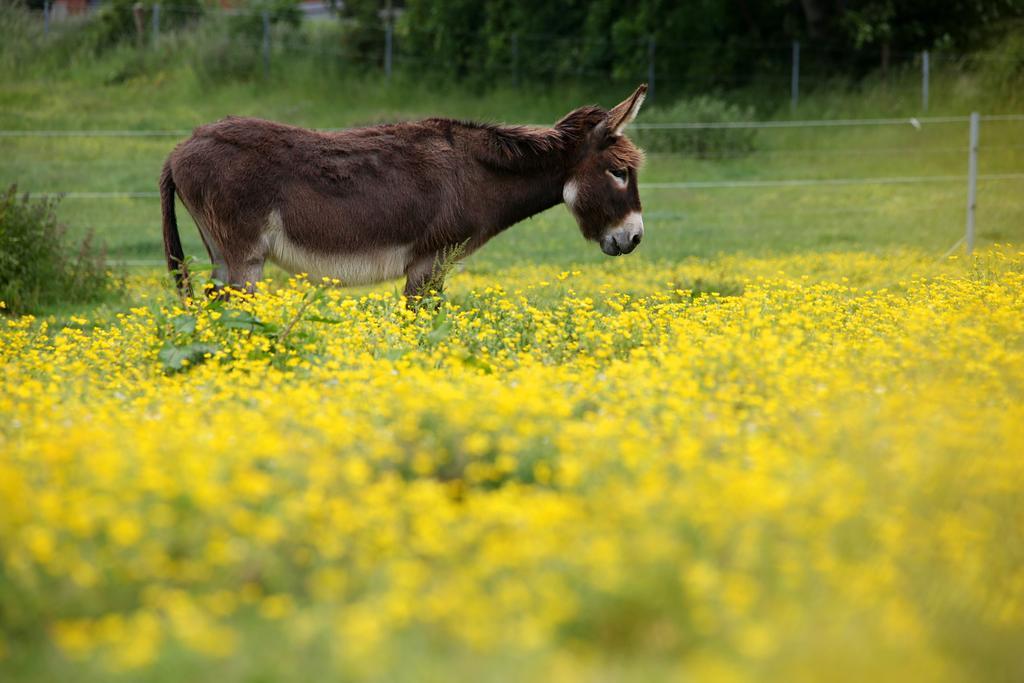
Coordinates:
column 699, row 43
column 364, row 34
column 921, row 24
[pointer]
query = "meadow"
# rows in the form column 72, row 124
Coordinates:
column 781, row 441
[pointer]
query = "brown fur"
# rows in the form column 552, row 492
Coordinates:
column 419, row 186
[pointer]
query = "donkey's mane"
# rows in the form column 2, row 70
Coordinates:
column 517, row 146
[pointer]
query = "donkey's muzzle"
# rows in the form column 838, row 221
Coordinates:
column 624, row 238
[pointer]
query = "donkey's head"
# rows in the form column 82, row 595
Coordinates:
column 601, row 189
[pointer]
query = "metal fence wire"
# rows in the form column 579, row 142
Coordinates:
column 969, row 180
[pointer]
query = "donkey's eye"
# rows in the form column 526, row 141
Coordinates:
column 620, row 174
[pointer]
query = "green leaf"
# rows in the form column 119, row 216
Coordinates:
column 441, row 327
column 183, row 324
column 394, row 354
column 241, row 320
column 174, row 356
column 322, row 319
column 439, row 318
column 474, row 362
column 439, row 333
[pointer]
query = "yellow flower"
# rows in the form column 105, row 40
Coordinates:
column 822, row 458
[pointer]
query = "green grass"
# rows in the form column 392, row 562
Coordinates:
column 115, row 92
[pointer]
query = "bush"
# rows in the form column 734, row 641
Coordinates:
column 250, row 23
column 115, row 21
column 222, row 55
column 231, row 48
column 38, row 264
column 25, row 48
column 21, row 34
column 1002, row 65
column 701, row 143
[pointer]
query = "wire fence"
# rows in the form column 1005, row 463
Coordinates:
column 821, row 177
column 108, row 193
column 914, row 122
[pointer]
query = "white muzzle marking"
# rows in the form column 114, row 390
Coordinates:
column 624, row 237
column 632, row 225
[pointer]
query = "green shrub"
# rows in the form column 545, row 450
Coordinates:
column 222, row 55
column 115, row 21
column 1001, row 67
column 39, row 266
column 700, row 143
column 250, row 23
column 230, row 48
column 363, row 38
column 21, row 35
column 25, row 48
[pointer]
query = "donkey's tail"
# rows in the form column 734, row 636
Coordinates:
column 172, row 240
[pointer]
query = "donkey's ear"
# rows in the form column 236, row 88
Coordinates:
column 624, row 112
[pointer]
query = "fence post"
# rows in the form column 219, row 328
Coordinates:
column 46, row 17
column 515, row 58
column 389, row 33
column 266, row 44
column 925, row 77
column 156, row 23
column 972, row 179
column 139, row 19
column 794, row 80
column 650, row 69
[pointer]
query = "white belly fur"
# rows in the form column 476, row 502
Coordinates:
column 357, row 268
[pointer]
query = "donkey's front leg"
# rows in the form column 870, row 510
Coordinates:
column 423, row 272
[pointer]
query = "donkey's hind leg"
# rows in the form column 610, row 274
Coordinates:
column 245, row 274
column 220, row 266
column 245, row 263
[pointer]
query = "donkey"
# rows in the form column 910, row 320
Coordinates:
column 366, row 205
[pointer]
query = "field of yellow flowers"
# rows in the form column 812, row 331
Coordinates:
column 807, row 467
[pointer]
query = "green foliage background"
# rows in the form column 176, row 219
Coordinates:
column 39, row 264
column 701, row 44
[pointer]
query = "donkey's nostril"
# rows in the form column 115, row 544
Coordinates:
column 635, row 239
